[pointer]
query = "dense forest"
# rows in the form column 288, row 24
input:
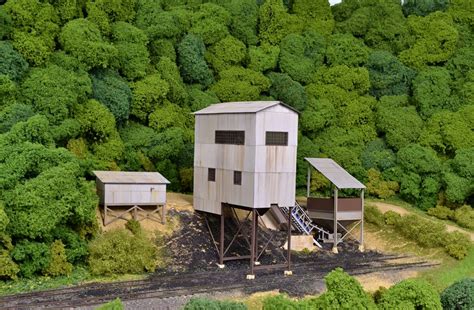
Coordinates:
column 385, row 89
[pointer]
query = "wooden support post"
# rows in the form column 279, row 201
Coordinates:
column 361, row 239
column 105, row 215
column 251, row 276
column 308, row 182
column 334, row 247
column 134, row 213
column 221, row 241
column 163, row 214
column 256, row 238
column 288, row 272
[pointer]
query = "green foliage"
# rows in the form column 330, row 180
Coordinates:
column 193, row 66
column 301, row 55
column 121, row 252
column 131, row 43
column 32, row 257
column 345, row 49
column 167, row 116
column 8, row 268
column 410, row 294
column 59, row 264
column 459, row 295
column 147, row 94
column 374, row 216
column 457, row 244
column 203, row 303
column 464, row 216
column 392, row 218
column 226, row 53
column 378, row 187
column 210, row 22
column 275, row 23
column 13, row 114
column 244, row 16
column 423, row 7
column 290, row 92
column 97, row 122
column 82, row 39
column 53, row 91
column 134, row 226
column 441, row 212
column 170, row 73
column 263, row 57
column 35, row 130
column 113, row 92
column 115, row 304
column 240, row 84
column 388, row 76
column 315, row 15
column 12, row 64
column 432, row 40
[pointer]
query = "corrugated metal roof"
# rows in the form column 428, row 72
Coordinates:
column 131, row 177
column 241, row 107
column 335, row 173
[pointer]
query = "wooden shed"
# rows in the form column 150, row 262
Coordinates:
column 135, row 190
column 342, row 213
column 245, row 158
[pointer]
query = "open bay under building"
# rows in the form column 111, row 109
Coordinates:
column 245, row 158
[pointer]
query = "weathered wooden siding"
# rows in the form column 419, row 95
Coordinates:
column 133, row 194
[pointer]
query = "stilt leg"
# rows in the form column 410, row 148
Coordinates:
column 288, row 272
column 251, row 276
column 221, row 241
column 163, row 214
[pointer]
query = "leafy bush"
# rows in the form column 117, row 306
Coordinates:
column 441, row 212
column 392, row 218
column 32, row 257
column 205, row 304
column 373, row 215
column 410, row 294
column 464, row 216
column 115, row 304
column 121, row 252
column 457, row 244
column 59, row 264
column 134, row 226
column 426, row 233
column 459, row 296
column 379, row 187
column 8, row 268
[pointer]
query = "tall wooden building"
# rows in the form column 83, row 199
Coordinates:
column 245, row 158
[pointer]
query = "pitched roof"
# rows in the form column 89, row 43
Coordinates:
column 335, row 173
column 130, row 177
column 241, row 107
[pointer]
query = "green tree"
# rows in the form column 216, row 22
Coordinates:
column 316, row 15
column 459, row 295
column 226, row 53
column 302, row 55
column 53, row 91
column 410, row 294
column 148, row 93
column 423, row 7
column 32, row 257
column 103, row 13
column 388, row 76
column 275, row 23
column 96, row 121
column 210, row 22
column 12, row 64
column 345, row 49
column 263, row 57
column 193, row 66
column 169, row 71
column 285, row 89
column 82, row 39
column 244, row 18
column 59, row 265
column 13, row 114
column 432, row 40
column 133, row 56
column 113, row 92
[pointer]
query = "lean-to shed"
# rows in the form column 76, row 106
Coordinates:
column 131, row 189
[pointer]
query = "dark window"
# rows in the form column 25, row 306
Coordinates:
column 230, row 137
column 211, row 174
column 276, row 138
column 237, row 177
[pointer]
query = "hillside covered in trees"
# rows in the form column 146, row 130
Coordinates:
column 385, row 90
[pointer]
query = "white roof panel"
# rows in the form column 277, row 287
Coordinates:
column 335, row 173
column 130, row 177
column 241, row 107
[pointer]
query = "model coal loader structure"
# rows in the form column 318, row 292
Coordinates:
column 245, row 162
column 142, row 193
column 341, row 215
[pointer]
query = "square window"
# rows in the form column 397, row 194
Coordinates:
column 211, row 174
column 237, row 178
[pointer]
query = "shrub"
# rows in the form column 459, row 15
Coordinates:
column 441, row 212
column 464, row 216
column 207, row 304
column 134, row 226
column 373, row 215
column 378, row 187
column 410, row 294
column 8, row 268
column 392, row 218
column 456, row 244
column 33, row 257
column 120, row 252
column 59, row 264
column 426, row 233
column 459, row 295
column 115, row 304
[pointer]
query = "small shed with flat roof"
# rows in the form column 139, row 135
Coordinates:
column 137, row 190
column 342, row 213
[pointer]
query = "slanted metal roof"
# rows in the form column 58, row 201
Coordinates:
column 241, row 107
column 116, row 177
column 335, row 173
